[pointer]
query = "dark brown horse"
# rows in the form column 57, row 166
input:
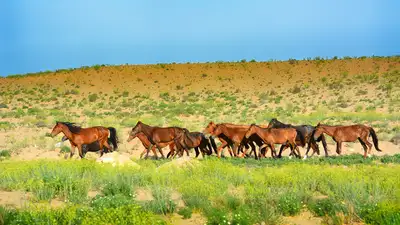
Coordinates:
column 271, row 136
column 157, row 136
column 78, row 136
column 303, row 132
column 146, row 144
column 350, row 133
column 196, row 140
column 236, row 135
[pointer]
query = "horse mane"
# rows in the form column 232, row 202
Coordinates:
column 72, row 127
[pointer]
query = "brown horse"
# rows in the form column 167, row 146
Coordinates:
column 236, row 135
column 303, row 132
column 271, row 136
column 196, row 140
column 225, row 141
column 349, row 134
column 78, row 136
column 146, row 144
column 157, row 136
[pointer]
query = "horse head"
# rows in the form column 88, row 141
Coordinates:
column 57, row 129
column 251, row 130
column 210, row 128
column 273, row 122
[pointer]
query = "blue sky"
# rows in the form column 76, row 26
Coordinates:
column 47, row 35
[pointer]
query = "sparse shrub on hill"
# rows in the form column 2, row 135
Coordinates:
column 93, row 97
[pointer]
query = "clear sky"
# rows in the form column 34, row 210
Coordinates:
column 52, row 34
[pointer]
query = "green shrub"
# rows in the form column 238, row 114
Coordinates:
column 119, row 185
column 289, row 204
column 65, row 149
column 114, row 201
column 129, row 214
column 185, row 212
column 93, row 97
column 5, row 153
column 125, row 94
column 329, row 208
column 382, row 214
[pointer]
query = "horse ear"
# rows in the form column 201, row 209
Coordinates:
column 319, row 123
column 253, row 124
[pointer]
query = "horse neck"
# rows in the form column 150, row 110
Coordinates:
column 328, row 130
column 258, row 130
column 146, row 129
column 67, row 132
column 280, row 125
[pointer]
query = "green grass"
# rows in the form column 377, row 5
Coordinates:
column 230, row 190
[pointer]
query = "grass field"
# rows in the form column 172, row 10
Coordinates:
column 38, row 186
column 231, row 191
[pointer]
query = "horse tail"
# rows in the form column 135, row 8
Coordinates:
column 113, row 137
column 374, row 138
column 213, row 144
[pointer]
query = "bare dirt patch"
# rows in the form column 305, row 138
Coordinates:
column 14, row 199
column 304, row 218
column 196, row 219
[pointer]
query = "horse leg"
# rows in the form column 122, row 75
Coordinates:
column 366, row 142
column 283, row 147
column 273, row 151
column 171, row 152
column 72, row 152
column 310, row 145
column 364, row 146
column 253, row 149
column 196, row 149
column 219, row 149
column 297, row 150
column 141, row 154
column 325, row 145
column 80, row 151
column 148, row 150
column 105, row 143
column 235, row 148
column 161, row 152
column 339, row 147
column 153, row 149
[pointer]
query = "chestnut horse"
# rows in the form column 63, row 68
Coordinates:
column 146, row 144
column 92, row 147
column 225, row 141
column 157, row 136
column 349, row 134
column 78, row 136
column 236, row 134
column 196, row 140
column 271, row 136
column 304, row 131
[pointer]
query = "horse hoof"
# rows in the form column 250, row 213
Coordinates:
column 305, row 157
column 369, row 155
column 290, row 157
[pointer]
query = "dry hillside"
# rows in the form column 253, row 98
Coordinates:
column 350, row 90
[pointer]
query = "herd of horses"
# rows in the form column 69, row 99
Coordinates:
column 238, row 139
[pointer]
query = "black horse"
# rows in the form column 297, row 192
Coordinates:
column 302, row 130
